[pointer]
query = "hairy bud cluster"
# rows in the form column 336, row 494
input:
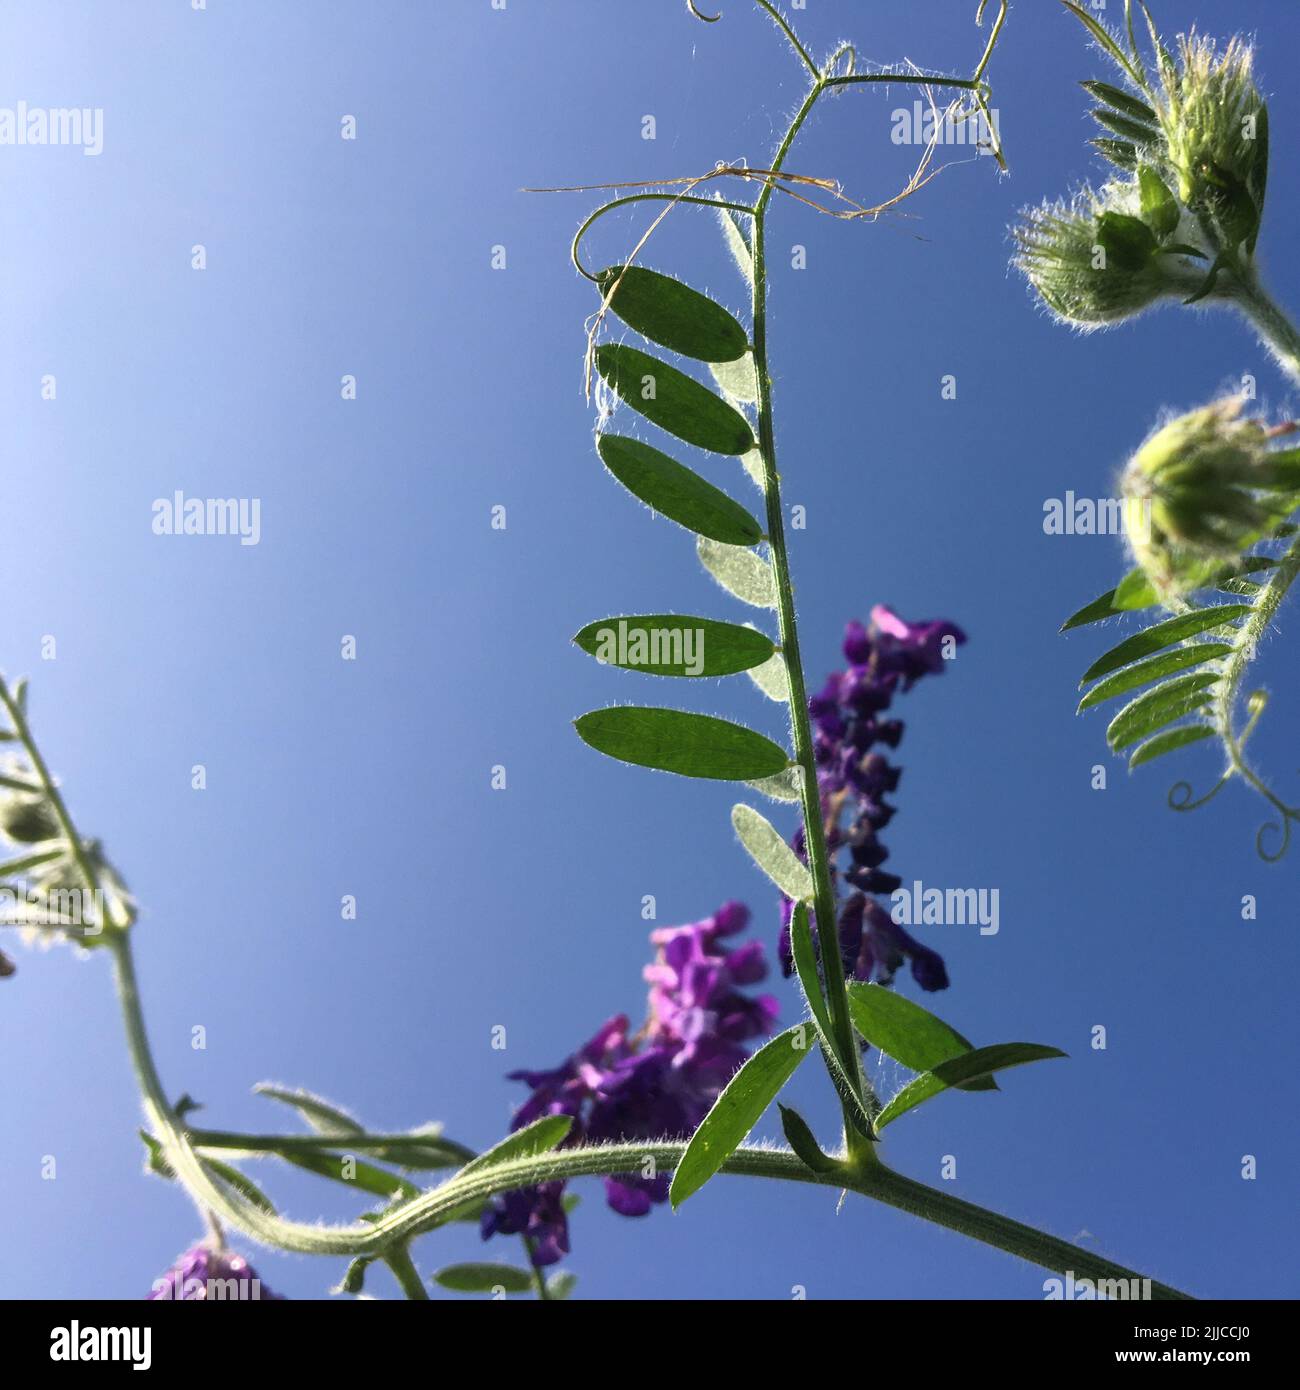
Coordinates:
column 1207, row 482
column 1192, row 148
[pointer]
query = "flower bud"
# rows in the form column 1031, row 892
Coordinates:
column 1192, row 494
column 28, row 819
column 1092, row 261
column 1216, row 128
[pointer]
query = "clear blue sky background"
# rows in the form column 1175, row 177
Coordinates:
column 522, row 907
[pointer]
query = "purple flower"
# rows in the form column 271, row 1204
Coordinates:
column 657, row 1084
column 537, row 1214
column 855, row 778
column 203, row 1272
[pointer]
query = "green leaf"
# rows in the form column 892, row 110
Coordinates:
column 741, row 573
column 1163, row 635
column 1159, row 206
column 323, row 1117
column 735, row 232
column 354, row 1277
column 737, row 379
column 673, row 314
column 1135, row 592
column 424, row 1151
column 907, row 1032
column 1138, row 132
column 154, row 1161
column 672, row 400
column 1105, row 40
column 1120, row 101
column 676, row 491
column 1158, row 706
column 768, row 849
column 537, row 1138
column 1128, row 241
column 671, row 644
column 737, row 1110
column 1155, row 667
column 1168, row 742
column 805, row 965
column 484, row 1278
column 752, row 463
column 982, row 1061
column 1211, row 279
column 245, row 1186
column 1119, row 152
column 31, row 861
column 232, row 1177
column 185, row 1105
column 366, row 1177
column 801, row 1140
column 784, row 786
column 1092, row 612
column 17, row 784
column 692, row 745
column 1259, row 174
column 771, row 678
column 561, row 1285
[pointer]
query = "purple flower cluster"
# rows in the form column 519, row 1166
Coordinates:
column 853, row 776
column 204, row 1273
column 656, row 1084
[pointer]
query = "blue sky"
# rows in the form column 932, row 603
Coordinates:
column 521, row 907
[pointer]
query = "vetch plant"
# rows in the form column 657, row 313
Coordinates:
column 658, row 1111
column 1210, row 498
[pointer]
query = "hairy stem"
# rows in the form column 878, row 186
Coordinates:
column 801, row 729
column 1282, row 338
column 457, row 1154
column 392, row 1231
column 1245, row 643
column 113, row 921
column 399, row 1261
column 878, row 1182
column 1271, row 323
column 861, row 1149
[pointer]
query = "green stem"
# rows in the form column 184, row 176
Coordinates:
column 861, row 1149
column 1245, row 644
column 879, row 1183
column 457, row 1154
column 398, row 1259
column 1270, row 321
column 76, row 848
column 1282, row 338
column 402, row 1223
column 801, row 729
column 784, row 25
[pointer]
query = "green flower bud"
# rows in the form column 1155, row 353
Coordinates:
column 28, row 819
column 1095, row 261
column 1216, row 127
column 1194, row 496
